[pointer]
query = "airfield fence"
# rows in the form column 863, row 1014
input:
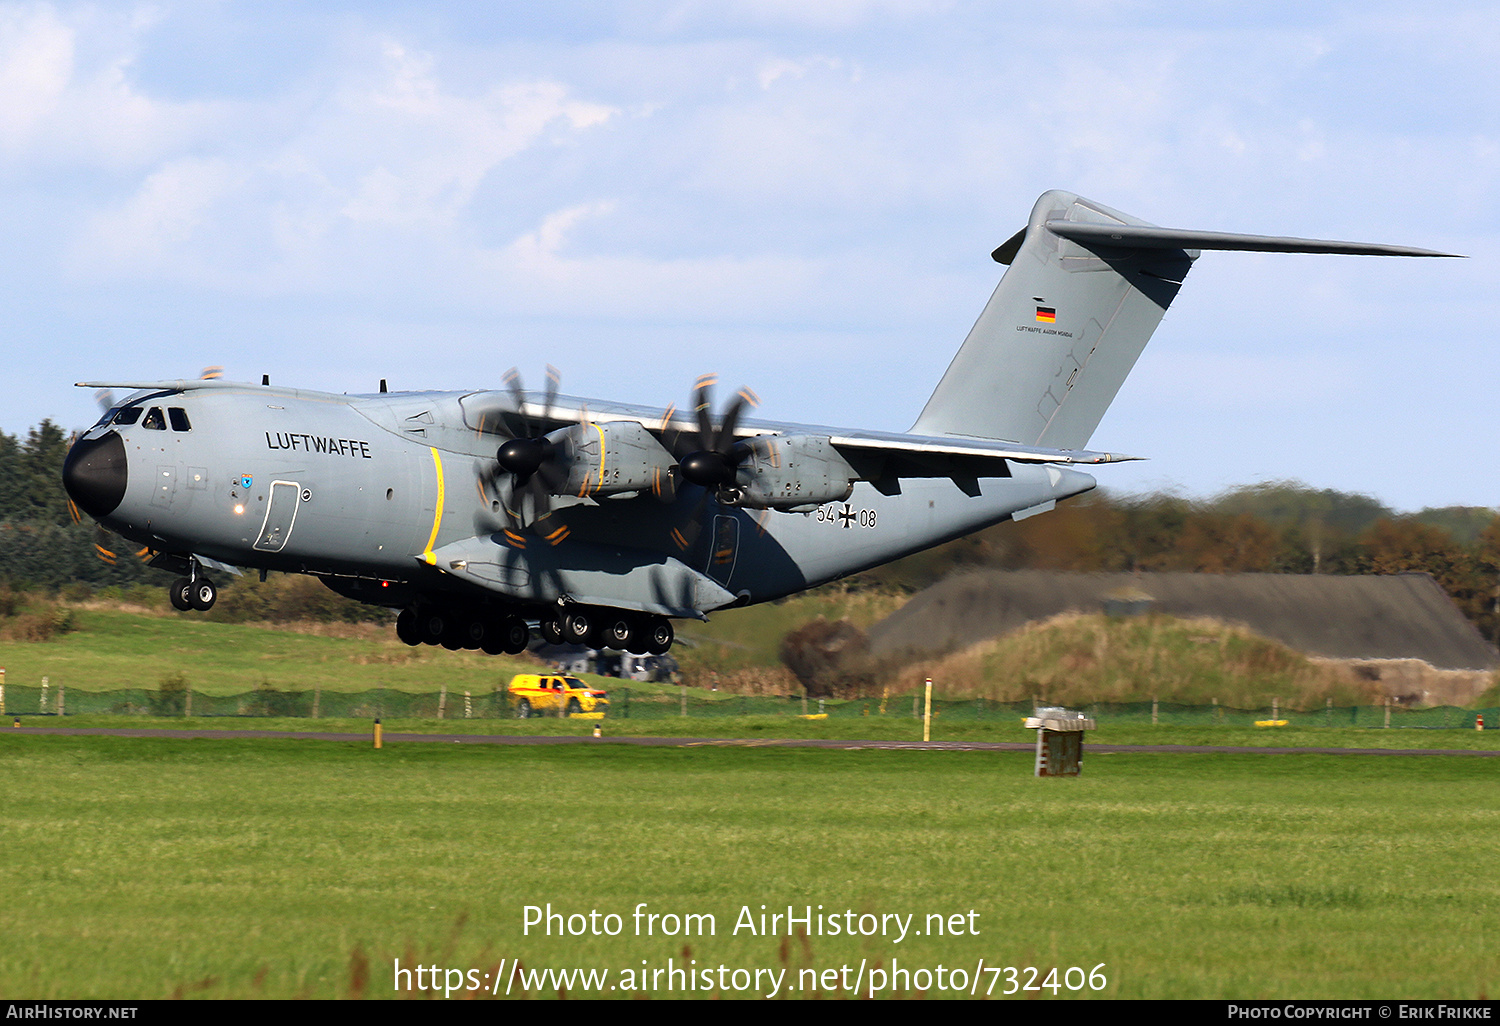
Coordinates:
column 661, row 703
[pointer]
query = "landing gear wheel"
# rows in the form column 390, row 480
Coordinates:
column 474, row 634
column 433, row 625
column 407, row 628
column 203, row 595
column 181, row 594
column 577, row 627
column 515, row 635
column 552, row 630
column 454, row 635
column 618, row 631
column 523, row 710
column 661, row 636
column 494, row 637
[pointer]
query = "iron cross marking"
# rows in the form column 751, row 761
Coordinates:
column 847, row 516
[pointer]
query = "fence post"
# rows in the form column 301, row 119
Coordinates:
column 442, row 699
column 1388, row 711
column 44, row 696
column 62, row 695
column 1153, row 710
column 1328, row 716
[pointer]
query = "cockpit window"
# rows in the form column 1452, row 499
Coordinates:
column 179, row 418
column 129, row 415
column 154, row 420
column 109, row 415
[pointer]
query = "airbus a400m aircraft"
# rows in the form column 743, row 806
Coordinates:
column 479, row 514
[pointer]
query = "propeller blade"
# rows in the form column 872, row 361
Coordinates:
column 744, row 397
column 703, row 409
column 686, row 534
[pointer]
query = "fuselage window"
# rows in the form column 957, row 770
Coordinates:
column 179, row 418
column 129, row 415
column 154, row 420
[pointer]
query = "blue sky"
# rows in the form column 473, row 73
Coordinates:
column 799, row 196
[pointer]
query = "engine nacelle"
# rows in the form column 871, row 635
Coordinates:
column 610, row 459
column 788, row 472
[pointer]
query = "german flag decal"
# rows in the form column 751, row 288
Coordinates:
column 1046, row 314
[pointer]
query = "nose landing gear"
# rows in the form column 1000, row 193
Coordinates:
column 193, row 591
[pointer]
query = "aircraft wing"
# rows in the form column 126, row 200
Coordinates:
column 880, row 442
column 884, row 458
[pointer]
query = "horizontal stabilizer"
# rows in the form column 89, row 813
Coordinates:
column 1130, row 236
column 1085, row 287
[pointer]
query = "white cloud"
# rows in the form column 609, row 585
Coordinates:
column 66, row 95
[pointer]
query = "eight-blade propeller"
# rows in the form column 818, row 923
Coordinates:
column 527, row 455
column 709, row 458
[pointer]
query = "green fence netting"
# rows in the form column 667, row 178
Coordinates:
column 659, row 703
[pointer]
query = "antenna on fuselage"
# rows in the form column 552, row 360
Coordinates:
column 265, row 379
column 382, row 384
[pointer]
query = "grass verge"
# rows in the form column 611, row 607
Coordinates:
column 154, row 868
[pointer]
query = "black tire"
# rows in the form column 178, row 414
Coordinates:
column 661, row 636
column 434, row 626
column 407, row 629
column 523, row 710
column 203, row 595
column 474, row 633
column 574, row 707
column 515, row 635
column 577, row 626
column 639, row 642
column 181, row 594
column 552, row 630
column 618, row 631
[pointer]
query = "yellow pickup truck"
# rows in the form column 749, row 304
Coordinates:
column 535, row 694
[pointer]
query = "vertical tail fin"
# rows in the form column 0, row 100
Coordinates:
column 1085, row 289
column 1062, row 330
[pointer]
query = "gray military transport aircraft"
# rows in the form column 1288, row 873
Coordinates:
column 479, row 514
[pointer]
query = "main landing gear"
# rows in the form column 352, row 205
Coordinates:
column 493, row 632
column 597, row 628
column 193, row 591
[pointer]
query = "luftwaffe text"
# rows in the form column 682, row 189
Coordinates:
column 318, row 443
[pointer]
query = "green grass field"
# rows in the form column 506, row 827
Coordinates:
column 148, row 868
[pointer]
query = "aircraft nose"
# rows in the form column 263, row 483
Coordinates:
column 95, row 474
